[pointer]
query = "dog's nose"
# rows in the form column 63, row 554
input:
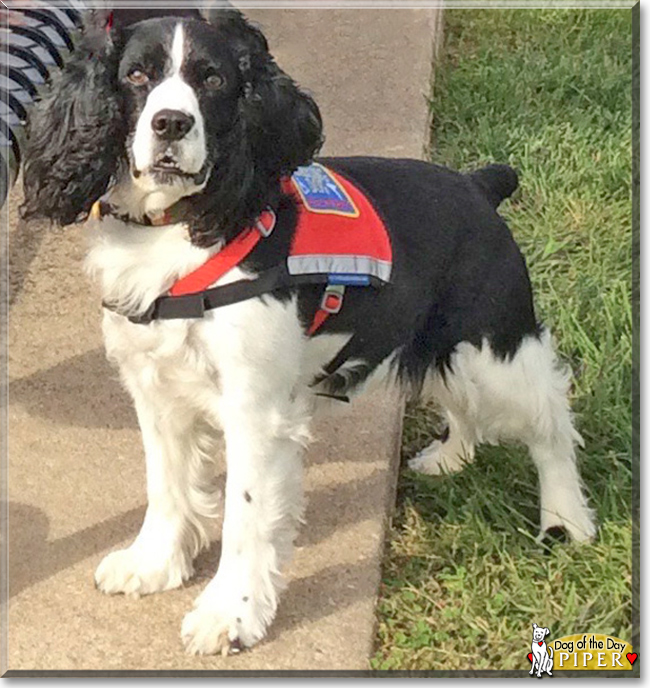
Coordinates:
column 171, row 125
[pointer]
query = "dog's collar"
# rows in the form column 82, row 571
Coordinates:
column 175, row 213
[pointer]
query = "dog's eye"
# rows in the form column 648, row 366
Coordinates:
column 214, row 81
column 137, row 77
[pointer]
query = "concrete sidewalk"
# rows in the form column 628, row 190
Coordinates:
column 76, row 471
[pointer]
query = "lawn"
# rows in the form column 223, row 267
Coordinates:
column 549, row 92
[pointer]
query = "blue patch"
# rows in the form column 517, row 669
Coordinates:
column 349, row 279
column 321, row 192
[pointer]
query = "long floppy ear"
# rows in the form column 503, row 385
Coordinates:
column 283, row 123
column 76, row 134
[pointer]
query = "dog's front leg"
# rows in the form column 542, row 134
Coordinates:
column 265, row 431
column 160, row 558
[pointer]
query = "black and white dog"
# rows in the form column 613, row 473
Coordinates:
column 173, row 108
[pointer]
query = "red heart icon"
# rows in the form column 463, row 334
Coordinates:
column 631, row 657
column 540, row 643
column 530, row 656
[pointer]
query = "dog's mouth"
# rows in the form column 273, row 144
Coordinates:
column 168, row 163
column 167, row 169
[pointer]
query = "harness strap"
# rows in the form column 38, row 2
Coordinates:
column 191, row 296
column 331, row 304
column 194, row 305
column 332, row 367
column 229, row 257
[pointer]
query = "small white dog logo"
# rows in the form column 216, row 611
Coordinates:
column 540, row 655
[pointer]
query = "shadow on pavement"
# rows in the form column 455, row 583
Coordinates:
column 323, row 593
column 82, row 391
column 333, row 507
column 24, row 243
column 33, row 559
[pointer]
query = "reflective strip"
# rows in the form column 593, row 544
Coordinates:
column 325, row 264
column 348, row 279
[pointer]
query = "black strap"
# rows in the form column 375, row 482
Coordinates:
column 337, row 397
column 330, row 369
column 338, row 360
column 194, row 305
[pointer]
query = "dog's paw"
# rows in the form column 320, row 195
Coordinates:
column 437, row 460
column 577, row 521
column 133, row 571
column 224, row 624
column 205, row 633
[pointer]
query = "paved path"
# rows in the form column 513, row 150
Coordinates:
column 76, row 473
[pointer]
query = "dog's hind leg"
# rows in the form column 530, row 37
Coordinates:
column 449, row 454
column 551, row 439
column 523, row 397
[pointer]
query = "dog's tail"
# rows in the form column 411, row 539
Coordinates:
column 497, row 182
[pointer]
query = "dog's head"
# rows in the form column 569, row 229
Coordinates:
column 168, row 108
column 539, row 633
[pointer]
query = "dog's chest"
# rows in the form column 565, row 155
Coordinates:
column 133, row 266
column 254, row 344
column 165, row 362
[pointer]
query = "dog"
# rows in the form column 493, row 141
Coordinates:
column 541, row 658
column 178, row 113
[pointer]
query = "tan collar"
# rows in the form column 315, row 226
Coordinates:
column 175, row 213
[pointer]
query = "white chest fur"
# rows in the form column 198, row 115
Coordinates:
column 257, row 343
column 135, row 264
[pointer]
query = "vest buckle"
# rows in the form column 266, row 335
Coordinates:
column 333, row 298
column 266, row 223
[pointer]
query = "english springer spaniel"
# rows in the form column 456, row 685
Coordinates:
column 173, row 137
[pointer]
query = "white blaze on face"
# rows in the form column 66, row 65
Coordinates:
column 171, row 94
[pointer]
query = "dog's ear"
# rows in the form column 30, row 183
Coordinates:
column 76, row 133
column 547, row 631
column 245, row 37
column 283, row 123
column 534, row 626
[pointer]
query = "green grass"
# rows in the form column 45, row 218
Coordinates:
column 550, row 93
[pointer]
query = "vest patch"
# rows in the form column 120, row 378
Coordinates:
column 348, row 242
column 321, row 192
